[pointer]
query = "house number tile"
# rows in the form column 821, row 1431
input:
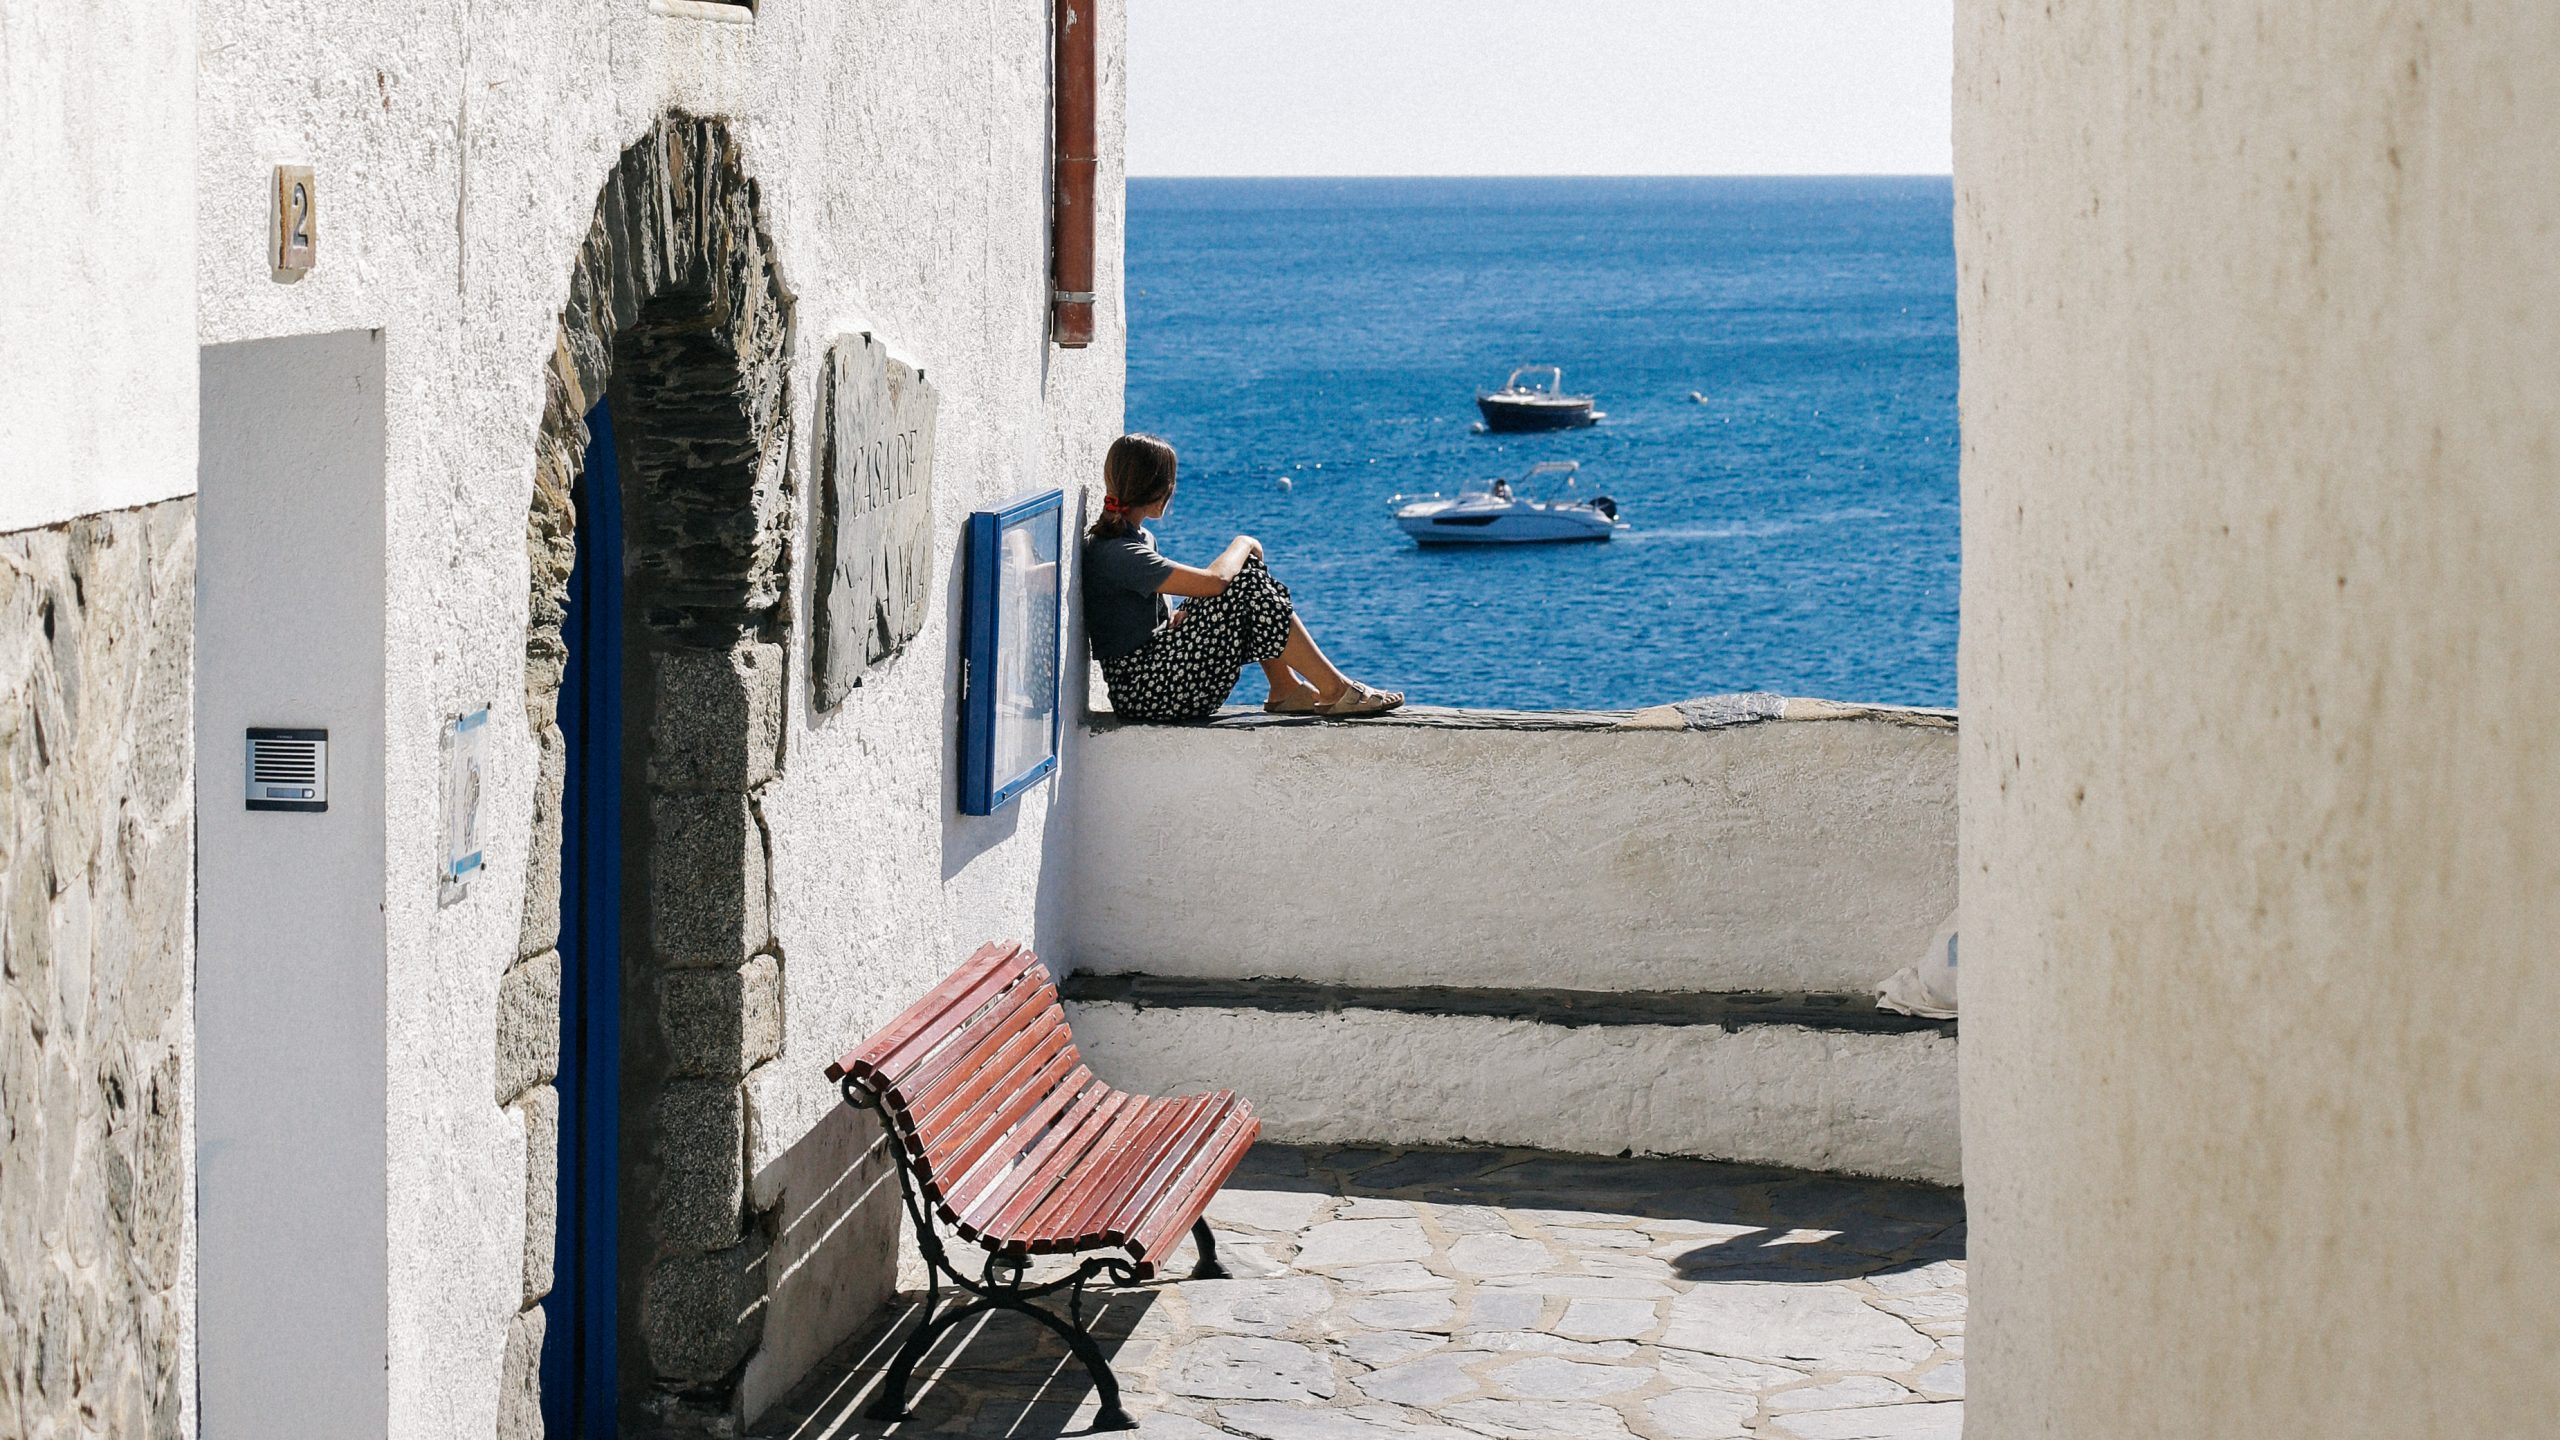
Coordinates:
column 297, row 218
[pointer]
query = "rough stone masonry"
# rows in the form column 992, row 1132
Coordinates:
column 677, row 312
column 96, row 663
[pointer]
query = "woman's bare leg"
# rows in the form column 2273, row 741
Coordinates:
column 1307, row 659
column 1285, row 684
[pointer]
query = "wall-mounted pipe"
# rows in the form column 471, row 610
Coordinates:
column 1079, row 160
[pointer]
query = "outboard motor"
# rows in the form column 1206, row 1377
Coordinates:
column 1605, row 506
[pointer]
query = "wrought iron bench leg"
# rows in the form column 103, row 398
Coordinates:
column 1208, row 1268
column 891, row 1403
column 1107, row 1414
column 1002, row 1287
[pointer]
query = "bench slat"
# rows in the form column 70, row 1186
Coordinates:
column 964, row 1134
column 1158, row 1172
column 922, row 1091
column 1070, row 1107
column 1155, row 1237
column 1049, row 1164
column 1015, row 1143
column 1123, row 1171
column 1091, row 1172
column 952, row 1103
column 988, row 1182
column 1165, row 1167
column 865, row 1060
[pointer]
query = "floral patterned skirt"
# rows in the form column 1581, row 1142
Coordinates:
column 1188, row 668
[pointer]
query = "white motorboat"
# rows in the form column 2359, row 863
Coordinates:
column 1541, row 507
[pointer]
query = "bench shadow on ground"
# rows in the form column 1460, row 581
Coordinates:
column 1005, row 1375
column 996, row 1374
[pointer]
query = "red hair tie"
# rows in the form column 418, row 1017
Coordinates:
column 1113, row 505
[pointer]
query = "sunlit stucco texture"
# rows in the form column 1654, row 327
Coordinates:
column 2260, row 801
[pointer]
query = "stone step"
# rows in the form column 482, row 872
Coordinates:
column 1809, row 1081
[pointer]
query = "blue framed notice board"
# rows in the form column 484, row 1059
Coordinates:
column 1011, row 617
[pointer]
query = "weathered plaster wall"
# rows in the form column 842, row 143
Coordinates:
column 2261, row 806
column 1785, row 855
column 95, row 1295
column 900, row 154
column 97, row 316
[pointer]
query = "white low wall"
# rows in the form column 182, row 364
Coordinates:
column 1798, row 853
column 1772, row 1094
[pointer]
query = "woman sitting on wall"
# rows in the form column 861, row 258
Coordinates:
column 1165, row 664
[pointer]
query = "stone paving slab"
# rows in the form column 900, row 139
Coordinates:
column 1486, row 1294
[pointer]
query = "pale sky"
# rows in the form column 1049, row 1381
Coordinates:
column 1565, row 87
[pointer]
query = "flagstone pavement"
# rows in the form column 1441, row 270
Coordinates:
column 1487, row 1295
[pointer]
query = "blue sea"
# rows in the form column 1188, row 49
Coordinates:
column 1794, row 531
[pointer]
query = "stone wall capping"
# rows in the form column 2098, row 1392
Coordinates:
column 1715, row 712
column 1724, row 1010
column 717, row 12
column 1853, row 1102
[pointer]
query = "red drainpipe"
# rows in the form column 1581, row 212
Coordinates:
column 1071, row 226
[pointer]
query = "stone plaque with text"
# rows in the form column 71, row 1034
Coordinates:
column 875, row 511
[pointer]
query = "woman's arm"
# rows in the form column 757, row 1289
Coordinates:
column 1187, row 580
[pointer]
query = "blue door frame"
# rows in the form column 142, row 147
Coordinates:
column 578, row 1379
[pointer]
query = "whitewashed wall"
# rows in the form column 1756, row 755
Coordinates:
column 1786, row 855
column 901, row 154
column 2260, row 326
column 97, row 314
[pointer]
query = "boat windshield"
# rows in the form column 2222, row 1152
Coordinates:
column 1550, row 481
column 1541, row 379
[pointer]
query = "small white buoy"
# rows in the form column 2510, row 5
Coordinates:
column 1286, row 484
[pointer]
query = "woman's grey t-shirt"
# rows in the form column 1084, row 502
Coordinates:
column 1124, row 593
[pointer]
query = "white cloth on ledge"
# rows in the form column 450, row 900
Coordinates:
column 1926, row 988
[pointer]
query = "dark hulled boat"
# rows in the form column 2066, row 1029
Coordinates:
column 1524, row 404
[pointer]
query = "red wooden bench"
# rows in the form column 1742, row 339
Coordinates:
column 1001, row 1133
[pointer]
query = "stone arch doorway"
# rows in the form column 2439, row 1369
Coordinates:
column 649, row 983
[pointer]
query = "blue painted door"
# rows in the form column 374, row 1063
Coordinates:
column 578, row 1339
